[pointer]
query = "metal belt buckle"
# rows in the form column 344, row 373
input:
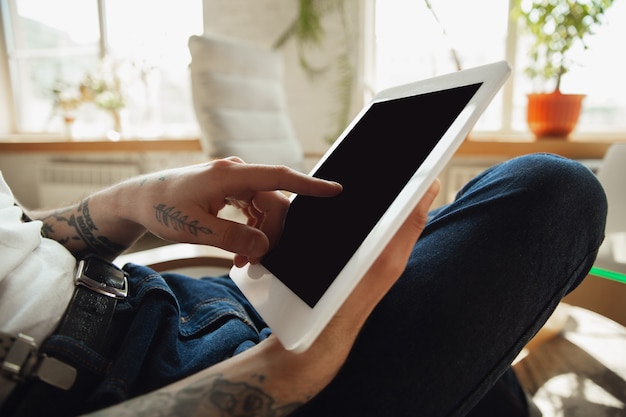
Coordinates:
column 101, row 276
column 20, row 351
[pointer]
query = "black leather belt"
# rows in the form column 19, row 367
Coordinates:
column 99, row 287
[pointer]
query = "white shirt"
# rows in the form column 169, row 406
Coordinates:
column 36, row 274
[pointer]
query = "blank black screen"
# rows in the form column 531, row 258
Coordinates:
column 373, row 163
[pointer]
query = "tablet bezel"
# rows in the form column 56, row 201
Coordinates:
column 295, row 323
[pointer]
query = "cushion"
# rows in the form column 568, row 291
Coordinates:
column 240, row 103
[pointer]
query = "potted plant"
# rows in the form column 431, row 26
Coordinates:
column 556, row 26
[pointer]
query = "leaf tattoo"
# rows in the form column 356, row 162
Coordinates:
column 169, row 216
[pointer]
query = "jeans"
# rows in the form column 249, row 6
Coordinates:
column 485, row 275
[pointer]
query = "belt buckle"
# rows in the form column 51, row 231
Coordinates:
column 98, row 275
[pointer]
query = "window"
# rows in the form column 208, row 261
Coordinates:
column 413, row 41
column 85, row 64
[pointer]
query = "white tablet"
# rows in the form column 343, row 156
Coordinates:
column 386, row 159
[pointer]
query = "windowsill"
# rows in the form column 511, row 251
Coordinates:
column 57, row 143
column 586, row 137
column 579, row 146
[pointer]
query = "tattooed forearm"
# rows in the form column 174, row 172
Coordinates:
column 86, row 228
column 48, row 229
column 241, row 399
column 82, row 229
column 171, row 217
column 210, row 396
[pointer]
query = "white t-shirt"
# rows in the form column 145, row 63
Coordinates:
column 36, row 274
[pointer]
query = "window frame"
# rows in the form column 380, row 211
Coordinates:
column 9, row 101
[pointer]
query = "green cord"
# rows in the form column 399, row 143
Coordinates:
column 605, row 273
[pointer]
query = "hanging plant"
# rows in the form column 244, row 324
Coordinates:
column 308, row 32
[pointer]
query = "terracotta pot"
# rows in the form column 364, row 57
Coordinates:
column 553, row 115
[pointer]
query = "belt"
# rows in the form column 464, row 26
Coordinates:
column 99, row 287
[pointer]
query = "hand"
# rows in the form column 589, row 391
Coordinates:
column 182, row 204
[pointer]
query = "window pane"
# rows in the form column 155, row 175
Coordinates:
column 415, row 42
column 150, row 37
column 602, row 75
column 49, row 24
column 36, row 78
column 410, row 43
column 45, row 50
column 54, row 52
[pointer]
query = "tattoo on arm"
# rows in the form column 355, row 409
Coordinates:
column 47, row 229
column 85, row 228
column 147, row 178
column 171, row 217
column 211, row 396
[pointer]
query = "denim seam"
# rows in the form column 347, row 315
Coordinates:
column 236, row 311
column 199, row 307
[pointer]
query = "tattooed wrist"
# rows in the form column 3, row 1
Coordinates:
column 81, row 230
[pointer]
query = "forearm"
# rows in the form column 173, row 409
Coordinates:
column 94, row 225
column 182, row 205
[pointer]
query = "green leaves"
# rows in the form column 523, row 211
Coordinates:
column 557, row 26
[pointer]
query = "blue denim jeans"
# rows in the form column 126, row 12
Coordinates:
column 487, row 272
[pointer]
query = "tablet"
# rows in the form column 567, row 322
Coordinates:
column 386, row 160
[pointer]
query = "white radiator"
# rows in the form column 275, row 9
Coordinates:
column 66, row 182
column 458, row 176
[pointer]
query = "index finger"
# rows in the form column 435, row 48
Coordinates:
column 255, row 177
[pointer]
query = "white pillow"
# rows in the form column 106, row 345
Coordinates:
column 239, row 100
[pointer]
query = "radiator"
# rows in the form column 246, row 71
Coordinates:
column 458, row 176
column 64, row 182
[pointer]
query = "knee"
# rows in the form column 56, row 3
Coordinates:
column 556, row 175
column 564, row 187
